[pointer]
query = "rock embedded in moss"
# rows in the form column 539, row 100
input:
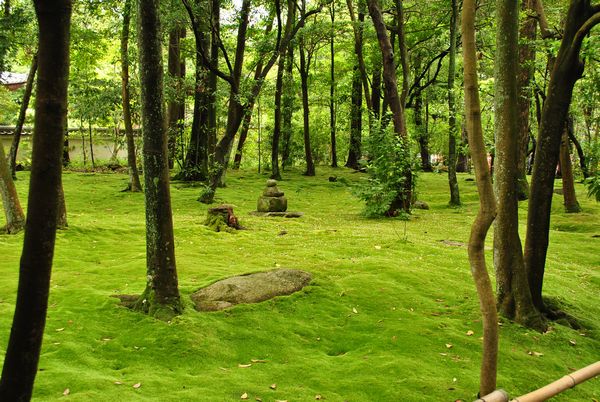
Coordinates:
column 250, row 288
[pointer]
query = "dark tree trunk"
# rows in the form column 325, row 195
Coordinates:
column 22, row 354
column 582, row 159
column 12, row 156
column 568, row 68
column 357, row 26
column 393, row 99
column 310, row 164
column 275, row 173
column 354, row 147
column 288, row 107
column 527, row 33
column 566, row 169
column 332, row 119
column 215, row 11
column 422, row 133
column 376, row 90
column 175, row 106
column 452, row 181
column 161, row 297
column 195, row 166
column 134, row 176
column 237, row 160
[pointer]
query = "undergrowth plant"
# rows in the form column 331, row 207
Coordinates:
column 388, row 164
column 593, row 186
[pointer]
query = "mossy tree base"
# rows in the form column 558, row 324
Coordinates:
column 146, row 303
column 13, row 228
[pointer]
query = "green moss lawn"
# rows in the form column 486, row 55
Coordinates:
column 387, row 317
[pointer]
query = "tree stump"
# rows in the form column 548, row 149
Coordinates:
column 222, row 219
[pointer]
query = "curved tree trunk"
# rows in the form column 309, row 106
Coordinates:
column 23, row 351
column 15, row 219
column 568, row 68
column 134, row 176
column 161, row 297
column 12, row 155
column 487, row 204
column 514, row 298
column 452, row 181
column 582, row 159
column 310, row 164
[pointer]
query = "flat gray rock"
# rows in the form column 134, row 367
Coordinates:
column 250, row 288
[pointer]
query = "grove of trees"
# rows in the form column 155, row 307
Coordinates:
column 374, row 85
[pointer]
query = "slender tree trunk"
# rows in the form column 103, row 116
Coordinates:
column 15, row 219
column 462, row 165
column 422, row 133
column 452, row 181
column 275, row 173
column 134, row 184
column 357, row 27
column 91, row 144
column 582, row 159
column 354, row 147
column 22, row 353
column 288, row 107
column 514, row 297
column 566, row 169
column 527, row 34
column 237, row 160
column 568, row 68
column 376, row 90
column 175, row 106
column 487, row 204
column 332, row 119
column 215, row 11
column 12, row 158
column 161, row 297
column 403, row 50
column 393, row 99
column 310, row 164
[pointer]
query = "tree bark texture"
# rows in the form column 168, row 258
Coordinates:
column 332, row 119
column 22, row 354
column 566, row 169
column 568, row 68
column 12, row 156
column 175, row 106
column 452, row 181
column 288, row 107
column 527, row 34
column 304, row 73
column 487, row 204
column 391, row 95
column 161, row 297
column 514, row 298
column 354, row 147
column 134, row 177
column 15, row 219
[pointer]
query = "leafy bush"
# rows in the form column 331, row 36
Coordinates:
column 593, row 186
column 388, row 161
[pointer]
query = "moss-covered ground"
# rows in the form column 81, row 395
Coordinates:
column 387, row 317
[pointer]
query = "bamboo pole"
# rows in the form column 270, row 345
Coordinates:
column 550, row 390
column 558, row 386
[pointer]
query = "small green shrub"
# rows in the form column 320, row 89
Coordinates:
column 389, row 160
column 593, row 186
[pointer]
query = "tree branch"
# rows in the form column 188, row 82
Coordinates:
column 538, row 8
column 583, row 31
column 199, row 38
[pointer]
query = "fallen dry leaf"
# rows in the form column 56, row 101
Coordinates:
column 538, row 354
column 377, row 247
column 118, row 383
column 59, row 329
column 318, row 397
column 572, row 342
column 273, row 386
column 137, row 385
column 66, row 392
column 244, row 396
column 258, row 361
column 469, row 333
column 449, row 345
column 259, row 399
column 244, row 365
column 354, row 310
